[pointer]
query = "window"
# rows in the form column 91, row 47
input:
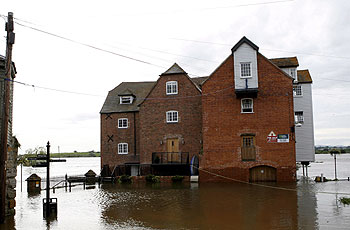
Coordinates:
column 171, row 87
column 126, row 100
column 248, row 147
column 247, row 105
column 297, row 90
column 172, row 116
column 299, row 117
column 123, row 148
column 123, row 123
column 246, row 69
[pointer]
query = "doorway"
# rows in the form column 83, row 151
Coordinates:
column 173, row 154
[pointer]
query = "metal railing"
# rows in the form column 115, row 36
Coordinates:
column 170, row 158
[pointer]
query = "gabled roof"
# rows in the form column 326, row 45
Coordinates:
column 304, row 76
column 126, row 92
column 245, row 40
column 199, row 81
column 174, row 69
column 138, row 89
column 285, row 62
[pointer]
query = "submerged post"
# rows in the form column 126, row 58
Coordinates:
column 48, row 180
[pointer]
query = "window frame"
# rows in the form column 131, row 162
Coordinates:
column 296, row 117
column 121, row 148
column 242, row 70
column 170, row 116
column 173, row 88
column 130, row 98
column 121, row 123
column 295, row 91
column 252, row 105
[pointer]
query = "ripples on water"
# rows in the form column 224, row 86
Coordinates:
column 186, row 206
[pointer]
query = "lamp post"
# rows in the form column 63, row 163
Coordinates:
column 334, row 153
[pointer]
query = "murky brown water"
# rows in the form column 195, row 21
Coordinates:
column 187, row 206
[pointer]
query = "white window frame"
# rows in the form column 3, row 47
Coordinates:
column 172, row 86
column 170, row 118
column 299, row 118
column 296, row 90
column 123, row 123
column 123, row 148
column 243, row 70
column 293, row 73
column 128, row 98
column 252, row 105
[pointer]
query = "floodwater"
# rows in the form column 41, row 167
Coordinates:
column 302, row 205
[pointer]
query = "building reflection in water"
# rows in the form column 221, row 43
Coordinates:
column 208, row 206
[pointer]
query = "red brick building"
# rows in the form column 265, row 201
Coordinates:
column 153, row 127
column 248, row 119
column 239, row 122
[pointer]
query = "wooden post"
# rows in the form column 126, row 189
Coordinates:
column 335, row 166
column 48, row 180
column 5, row 113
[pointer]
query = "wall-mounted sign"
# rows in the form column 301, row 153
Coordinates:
column 272, row 137
column 283, row 138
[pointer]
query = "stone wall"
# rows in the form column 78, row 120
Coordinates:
column 11, row 173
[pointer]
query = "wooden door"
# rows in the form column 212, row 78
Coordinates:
column 262, row 173
column 173, row 150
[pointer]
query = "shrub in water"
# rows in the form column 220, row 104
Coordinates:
column 177, row 178
column 345, row 200
column 152, row 178
column 124, row 179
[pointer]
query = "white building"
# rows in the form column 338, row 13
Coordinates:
column 304, row 125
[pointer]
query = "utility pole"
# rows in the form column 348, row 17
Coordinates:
column 10, row 40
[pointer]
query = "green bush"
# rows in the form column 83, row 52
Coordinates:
column 124, row 179
column 177, row 178
column 152, row 178
column 345, row 200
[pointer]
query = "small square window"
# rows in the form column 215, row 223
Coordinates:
column 246, row 69
column 123, row 123
column 126, row 100
column 299, row 117
column 171, row 87
column 247, row 105
column 172, row 116
column 297, row 90
column 123, row 148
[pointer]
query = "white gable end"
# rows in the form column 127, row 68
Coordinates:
column 243, row 55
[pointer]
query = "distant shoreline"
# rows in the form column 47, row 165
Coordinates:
column 75, row 154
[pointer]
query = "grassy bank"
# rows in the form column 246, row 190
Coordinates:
column 75, row 154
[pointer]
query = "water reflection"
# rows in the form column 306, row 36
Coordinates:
column 209, row 206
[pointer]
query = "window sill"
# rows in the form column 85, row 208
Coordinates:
column 122, row 153
column 247, row 112
column 123, row 127
column 172, row 122
column 172, row 94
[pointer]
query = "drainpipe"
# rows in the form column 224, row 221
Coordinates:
column 135, row 134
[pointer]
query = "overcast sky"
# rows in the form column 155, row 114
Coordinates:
column 198, row 35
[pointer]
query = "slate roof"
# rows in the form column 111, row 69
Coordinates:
column 174, row 69
column 244, row 40
column 304, row 76
column 285, row 62
column 138, row 89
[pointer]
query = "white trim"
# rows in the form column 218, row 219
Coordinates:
column 126, row 97
column 169, row 116
column 252, row 105
column 250, row 69
column 121, row 148
column 173, row 87
column 120, row 125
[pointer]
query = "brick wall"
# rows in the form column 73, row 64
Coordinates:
column 109, row 149
column 223, row 123
column 154, row 131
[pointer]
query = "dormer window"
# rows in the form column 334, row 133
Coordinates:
column 126, row 99
column 171, row 87
column 246, row 69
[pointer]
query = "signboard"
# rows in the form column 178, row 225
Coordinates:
column 272, row 137
column 283, row 138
